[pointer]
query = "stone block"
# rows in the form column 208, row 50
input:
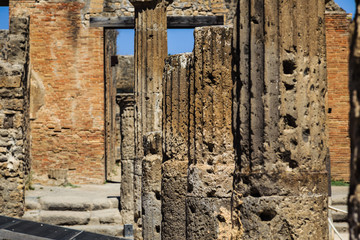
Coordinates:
column 208, row 218
column 151, row 219
column 65, row 217
column 282, row 217
column 173, row 208
column 10, row 81
column 151, row 174
column 174, row 179
column 174, row 218
column 12, row 104
column 286, row 183
column 127, row 185
column 211, row 180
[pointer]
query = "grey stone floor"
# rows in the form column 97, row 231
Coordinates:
column 339, row 200
column 93, row 208
column 89, row 193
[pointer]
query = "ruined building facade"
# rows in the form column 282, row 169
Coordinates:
column 72, row 125
column 227, row 142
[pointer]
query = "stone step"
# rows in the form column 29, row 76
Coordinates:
column 111, row 230
column 339, row 199
column 107, row 216
column 339, row 195
column 65, row 218
column 343, row 236
column 342, row 227
column 339, row 216
column 32, row 215
column 66, row 203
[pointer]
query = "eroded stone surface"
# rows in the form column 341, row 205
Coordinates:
column 150, row 53
column 176, row 144
column 14, row 117
column 197, row 121
column 284, row 217
column 279, row 117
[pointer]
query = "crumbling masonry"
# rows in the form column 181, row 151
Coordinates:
column 226, row 142
column 14, row 117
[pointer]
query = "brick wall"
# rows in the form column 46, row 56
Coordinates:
column 67, row 92
column 337, row 40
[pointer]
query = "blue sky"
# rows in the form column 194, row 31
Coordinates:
column 179, row 40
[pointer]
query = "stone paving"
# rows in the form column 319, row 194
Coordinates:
column 339, row 201
column 93, row 208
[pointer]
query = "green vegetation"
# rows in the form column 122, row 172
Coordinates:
column 339, row 183
column 67, row 184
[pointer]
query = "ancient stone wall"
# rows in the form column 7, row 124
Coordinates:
column 67, row 91
column 280, row 119
column 337, row 51
column 178, row 8
column 14, row 118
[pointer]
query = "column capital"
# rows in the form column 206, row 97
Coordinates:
column 146, row 3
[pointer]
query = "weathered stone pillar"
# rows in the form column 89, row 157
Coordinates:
column 150, row 53
column 212, row 156
column 127, row 146
column 176, row 125
column 199, row 160
column 110, row 102
column 280, row 119
column 354, row 194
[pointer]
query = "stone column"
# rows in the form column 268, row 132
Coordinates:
column 150, row 53
column 211, row 153
column 199, row 156
column 110, row 102
column 176, row 123
column 280, row 119
column 127, row 146
column 354, row 194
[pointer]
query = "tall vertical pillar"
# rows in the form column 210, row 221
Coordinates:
column 176, row 124
column 354, row 85
column 199, row 157
column 110, row 102
column 211, row 147
column 127, row 146
column 150, row 53
column 280, row 119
